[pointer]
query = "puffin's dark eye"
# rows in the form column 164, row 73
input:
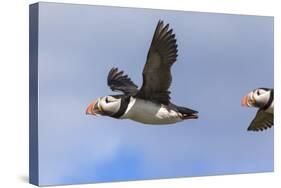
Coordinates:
column 258, row 92
column 106, row 100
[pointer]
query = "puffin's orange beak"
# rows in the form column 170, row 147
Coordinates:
column 248, row 100
column 90, row 109
column 245, row 101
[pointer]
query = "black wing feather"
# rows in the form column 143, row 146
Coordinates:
column 262, row 121
column 117, row 81
column 157, row 76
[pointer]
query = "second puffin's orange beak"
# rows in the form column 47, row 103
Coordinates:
column 91, row 108
column 245, row 101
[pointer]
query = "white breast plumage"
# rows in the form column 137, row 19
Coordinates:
column 148, row 112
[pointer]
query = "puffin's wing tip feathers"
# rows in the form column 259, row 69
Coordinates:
column 117, row 81
column 261, row 122
column 164, row 42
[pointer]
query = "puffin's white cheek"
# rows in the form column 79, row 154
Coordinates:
column 262, row 98
column 112, row 107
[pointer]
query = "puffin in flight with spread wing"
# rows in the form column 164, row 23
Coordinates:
column 151, row 103
column 262, row 98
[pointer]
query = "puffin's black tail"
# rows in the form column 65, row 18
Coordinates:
column 185, row 110
column 187, row 113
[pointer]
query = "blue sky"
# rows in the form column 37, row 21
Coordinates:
column 221, row 58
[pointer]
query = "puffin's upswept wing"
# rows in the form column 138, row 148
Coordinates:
column 157, row 74
column 117, row 81
column 262, row 121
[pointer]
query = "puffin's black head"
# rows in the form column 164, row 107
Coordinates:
column 257, row 98
column 105, row 106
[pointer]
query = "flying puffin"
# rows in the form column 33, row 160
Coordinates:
column 262, row 98
column 151, row 103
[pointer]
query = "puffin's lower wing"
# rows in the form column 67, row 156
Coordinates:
column 262, row 121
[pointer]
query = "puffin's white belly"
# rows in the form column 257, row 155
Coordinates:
column 150, row 113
